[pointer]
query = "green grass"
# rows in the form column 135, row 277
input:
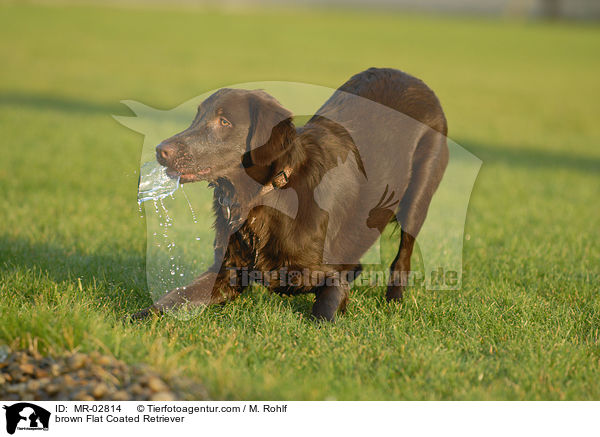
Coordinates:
column 524, row 97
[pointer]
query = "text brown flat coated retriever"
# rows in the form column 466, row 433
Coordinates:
column 374, row 152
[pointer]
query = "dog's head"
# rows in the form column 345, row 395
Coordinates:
column 233, row 128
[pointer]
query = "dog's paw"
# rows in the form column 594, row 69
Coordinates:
column 394, row 293
column 325, row 313
column 143, row 314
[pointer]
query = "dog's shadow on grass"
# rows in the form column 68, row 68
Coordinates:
column 531, row 158
column 117, row 275
column 62, row 104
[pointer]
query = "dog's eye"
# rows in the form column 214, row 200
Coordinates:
column 224, row 122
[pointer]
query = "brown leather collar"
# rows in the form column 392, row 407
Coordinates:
column 279, row 181
column 226, row 202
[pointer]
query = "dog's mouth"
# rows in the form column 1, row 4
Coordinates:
column 188, row 177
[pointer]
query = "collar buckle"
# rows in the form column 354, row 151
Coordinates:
column 280, row 179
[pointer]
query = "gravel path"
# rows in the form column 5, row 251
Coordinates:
column 28, row 376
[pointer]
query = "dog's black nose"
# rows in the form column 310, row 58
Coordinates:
column 165, row 152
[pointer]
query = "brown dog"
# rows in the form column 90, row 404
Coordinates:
column 375, row 152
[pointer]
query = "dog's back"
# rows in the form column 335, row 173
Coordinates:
column 397, row 90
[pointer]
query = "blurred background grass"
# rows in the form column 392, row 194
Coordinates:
column 523, row 95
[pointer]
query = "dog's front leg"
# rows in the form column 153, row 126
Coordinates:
column 208, row 289
column 330, row 298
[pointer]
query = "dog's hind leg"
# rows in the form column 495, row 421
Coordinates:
column 429, row 163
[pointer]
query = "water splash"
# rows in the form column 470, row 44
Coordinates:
column 175, row 250
column 155, row 184
column 187, row 199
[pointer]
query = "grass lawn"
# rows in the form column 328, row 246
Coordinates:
column 523, row 97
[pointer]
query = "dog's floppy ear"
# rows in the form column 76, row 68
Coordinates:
column 271, row 130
